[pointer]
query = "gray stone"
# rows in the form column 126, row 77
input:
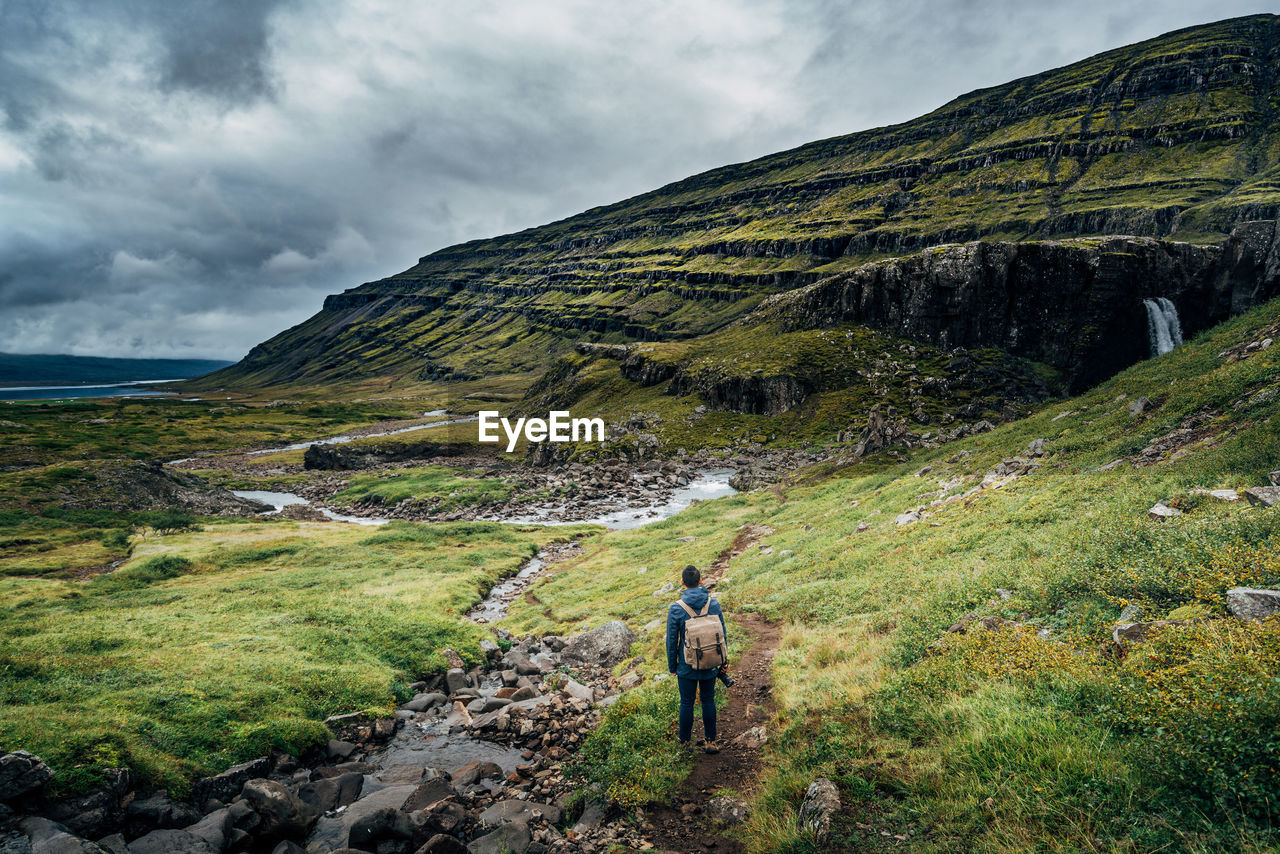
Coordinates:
column 521, row 663
column 510, row 838
column 590, row 819
column 727, row 810
column 474, row 772
column 340, row 749
column 442, row 844
column 907, row 518
column 512, row 810
column 1248, row 603
column 227, row 785
column 509, row 678
column 1263, row 496
column 170, row 842
column 821, row 802
column 48, row 837
column 329, row 793
column 21, row 772
column 424, row 701
column 283, row 814
column 430, row 792
column 158, row 812
column 333, row 831
column 606, row 646
column 1139, row 406
column 371, row 831
column 288, row 847
column 528, row 692
column 577, row 690
column 215, row 829
column 455, row 680
column 1127, row 634
column 114, row 843
column 1274, row 477
column 1162, row 511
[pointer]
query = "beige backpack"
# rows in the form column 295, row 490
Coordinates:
column 703, row 638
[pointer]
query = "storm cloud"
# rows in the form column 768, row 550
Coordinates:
column 187, row 179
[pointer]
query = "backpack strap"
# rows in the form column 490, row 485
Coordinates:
column 706, row 607
column 687, row 609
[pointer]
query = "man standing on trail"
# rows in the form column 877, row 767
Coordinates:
column 696, row 651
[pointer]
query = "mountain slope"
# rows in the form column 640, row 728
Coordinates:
column 1174, row 136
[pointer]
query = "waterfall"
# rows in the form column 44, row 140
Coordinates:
column 1163, row 328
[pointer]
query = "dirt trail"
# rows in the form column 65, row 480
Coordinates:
column 684, row 826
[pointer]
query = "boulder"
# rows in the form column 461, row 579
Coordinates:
column 590, row 819
column 455, row 680
column 1263, row 496
column 48, row 837
column 605, row 646
column 442, row 844
column 214, row 829
column 158, row 812
column 1162, row 511
column 430, row 792
column 578, row 691
column 21, row 772
column 728, row 811
column 339, row 749
column 1248, row 603
column 170, row 842
column 1126, row 634
column 372, row 831
column 753, row 738
column 474, row 772
column 333, row 832
column 422, row 702
column 329, row 793
column 227, row 785
column 907, row 518
column 521, row 663
column 513, row 838
column 821, row 802
column 283, row 814
column 507, row 811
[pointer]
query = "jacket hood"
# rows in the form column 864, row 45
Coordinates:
column 695, row 598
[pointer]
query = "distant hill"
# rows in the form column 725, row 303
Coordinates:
column 53, row 369
column 1173, row 139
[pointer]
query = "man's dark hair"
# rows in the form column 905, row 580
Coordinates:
column 691, row 576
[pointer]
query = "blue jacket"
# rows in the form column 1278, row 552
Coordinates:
column 676, row 617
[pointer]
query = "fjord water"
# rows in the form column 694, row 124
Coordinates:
column 61, row 377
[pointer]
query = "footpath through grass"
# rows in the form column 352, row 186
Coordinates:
column 1029, row 738
column 213, row 646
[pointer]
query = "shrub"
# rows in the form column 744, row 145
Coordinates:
column 633, row 755
column 1205, row 701
column 146, row 572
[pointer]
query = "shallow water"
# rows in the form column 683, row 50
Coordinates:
column 281, row 500
column 69, row 392
column 711, row 483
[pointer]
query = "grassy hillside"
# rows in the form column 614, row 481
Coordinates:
column 1035, row 736
column 1172, row 136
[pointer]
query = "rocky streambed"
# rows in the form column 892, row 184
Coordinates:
column 473, row 762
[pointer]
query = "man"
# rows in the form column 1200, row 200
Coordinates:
column 693, row 682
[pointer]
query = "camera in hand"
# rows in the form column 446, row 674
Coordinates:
column 725, row 678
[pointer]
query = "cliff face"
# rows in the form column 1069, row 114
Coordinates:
column 1173, row 137
column 1075, row 305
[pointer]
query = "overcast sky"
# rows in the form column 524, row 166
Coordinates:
column 189, row 178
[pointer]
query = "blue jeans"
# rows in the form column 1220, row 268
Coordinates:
column 689, row 688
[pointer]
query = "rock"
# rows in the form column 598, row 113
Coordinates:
column 973, row 621
column 513, row 838
column 753, row 738
column 474, row 772
column 578, row 691
column 333, row 832
column 340, row 749
column 523, row 811
column 1274, row 477
column 727, row 810
column 215, row 829
column 48, row 837
column 1130, row 613
column 114, row 843
column 442, row 844
column 1160, row 510
column 370, row 832
column 528, row 692
column 287, row 847
column 907, row 518
column 21, row 772
column 590, row 819
column 1263, row 496
column 170, row 842
column 455, row 680
column 605, row 646
column 821, row 802
column 227, row 785
column 158, row 812
column 665, row 589
column 1139, row 406
column 430, row 792
column 330, row 793
column 424, row 701
column 1127, row 634
column 284, row 815
column 1220, row 494
column 1248, row 603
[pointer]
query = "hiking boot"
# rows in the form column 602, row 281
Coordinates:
column 711, row 746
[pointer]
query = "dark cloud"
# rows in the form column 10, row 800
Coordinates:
column 190, row 178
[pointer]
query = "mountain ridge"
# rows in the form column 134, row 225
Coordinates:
column 1173, row 136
